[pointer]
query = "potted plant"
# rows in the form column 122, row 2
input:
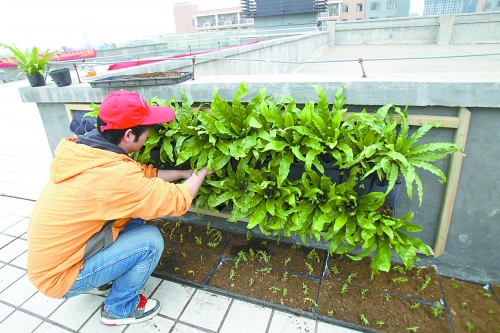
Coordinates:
column 32, row 63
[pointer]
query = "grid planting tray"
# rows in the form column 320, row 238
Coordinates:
column 121, row 81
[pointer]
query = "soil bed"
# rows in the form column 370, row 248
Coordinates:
column 334, row 288
column 154, row 74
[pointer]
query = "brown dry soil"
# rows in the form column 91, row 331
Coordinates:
column 154, row 74
column 333, row 289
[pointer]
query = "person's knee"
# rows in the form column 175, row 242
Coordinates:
column 153, row 238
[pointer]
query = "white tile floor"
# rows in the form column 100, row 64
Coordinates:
column 24, row 165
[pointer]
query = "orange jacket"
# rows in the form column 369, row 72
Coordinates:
column 88, row 187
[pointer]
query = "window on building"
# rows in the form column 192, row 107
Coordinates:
column 373, row 18
column 212, row 20
column 359, row 7
column 375, row 5
column 391, row 4
column 202, row 20
column 345, row 9
column 498, row 4
column 344, row 19
column 488, row 5
column 333, row 10
column 358, row 19
column 192, row 22
column 235, row 18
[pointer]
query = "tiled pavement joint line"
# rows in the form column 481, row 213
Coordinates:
column 270, row 320
column 89, row 318
column 13, row 197
column 225, row 315
column 176, row 320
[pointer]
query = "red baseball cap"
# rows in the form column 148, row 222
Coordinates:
column 124, row 109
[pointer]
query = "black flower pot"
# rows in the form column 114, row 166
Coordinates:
column 36, row 80
column 61, row 77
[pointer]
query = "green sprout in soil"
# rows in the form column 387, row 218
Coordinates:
column 310, row 300
column 285, row 292
column 171, row 233
column 264, row 256
column 191, row 272
column 161, row 264
column 208, row 228
column 364, row 320
column 232, row 274
column 364, row 291
column 285, row 276
column 295, row 246
column 400, row 279
column 201, row 257
column 314, row 255
column 415, row 305
column 184, row 255
column 197, row 240
column 491, row 311
column 305, row 289
column 287, row 260
column 463, row 304
column 249, row 235
column 380, row 323
column 399, row 269
column 350, row 277
column 309, row 268
column 485, row 294
column 387, row 297
column 426, row 283
column 419, row 270
column 168, row 252
column 250, row 282
column 178, row 224
column 345, row 289
column 330, row 313
column 455, row 286
column 274, row 289
column 252, row 253
column 372, row 276
column 162, row 231
column 264, row 242
column 237, row 263
column 265, row 269
column 437, row 309
column 412, row 329
column 278, row 240
column 242, row 256
column 212, row 244
column 469, row 326
column 334, row 270
column 181, row 237
column 176, row 269
column 190, row 228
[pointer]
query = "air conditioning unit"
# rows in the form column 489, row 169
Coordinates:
column 206, row 25
column 227, row 22
column 250, row 20
column 324, row 14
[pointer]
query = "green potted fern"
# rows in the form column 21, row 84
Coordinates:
column 33, row 63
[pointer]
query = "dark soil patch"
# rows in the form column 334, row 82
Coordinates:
column 339, row 290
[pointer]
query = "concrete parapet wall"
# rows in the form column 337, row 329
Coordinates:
column 476, row 28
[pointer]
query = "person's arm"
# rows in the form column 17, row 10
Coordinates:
column 173, row 175
column 194, row 181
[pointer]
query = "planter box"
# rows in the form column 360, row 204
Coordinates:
column 122, row 81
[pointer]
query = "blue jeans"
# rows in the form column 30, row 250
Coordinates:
column 129, row 262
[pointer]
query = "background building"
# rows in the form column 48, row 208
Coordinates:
column 438, row 7
column 377, row 9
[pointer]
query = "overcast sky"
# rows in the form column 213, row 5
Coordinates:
column 60, row 23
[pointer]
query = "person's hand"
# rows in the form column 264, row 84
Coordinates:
column 210, row 172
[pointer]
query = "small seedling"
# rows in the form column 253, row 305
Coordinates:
column 208, row 228
column 265, row 269
column 314, row 255
column 400, row 280
column 274, row 289
column 264, row 242
column 491, row 311
column 191, row 272
column 171, row 233
column 463, row 304
column 212, row 244
column 469, row 326
column 287, row 260
column 330, row 313
column 285, row 292
column 278, row 240
column 310, row 300
column 285, row 276
column 345, row 289
column 485, row 294
column 176, row 269
column 455, row 286
column 178, row 224
column 419, row 270
column 190, row 228
column 364, row 291
column 437, row 309
column 309, row 268
column 364, row 320
column 201, row 257
column 237, row 263
column 184, row 255
column 264, row 256
column 249, row 236
column 161, row 263
column 412, row 329
column 372, row 276
column 305, row 289
column 380, row 323
column 295, row 246
column 426, row 283
column 415, row 305
column 250, row 282
column 399, row 269
column 350, row 277
column 387, row 297
column 197, row 240
column 162, row 231
column 252, row 254
column 181, row 237
column 334, row 270
column 242, row 256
